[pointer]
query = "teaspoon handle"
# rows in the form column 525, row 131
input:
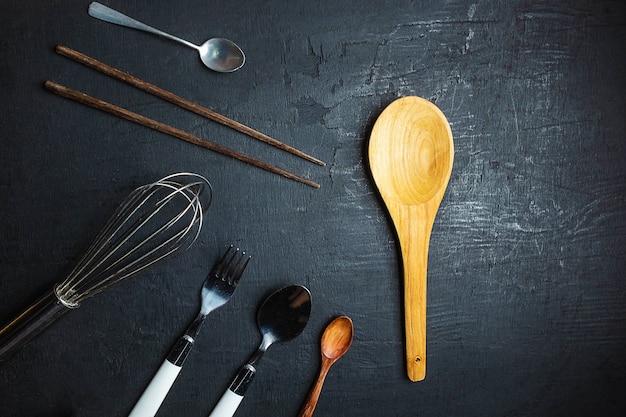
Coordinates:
column 106, row 14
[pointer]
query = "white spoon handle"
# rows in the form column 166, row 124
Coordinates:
column 227, row 405
column 106, row 14
column 233, row 396
column 153, row 396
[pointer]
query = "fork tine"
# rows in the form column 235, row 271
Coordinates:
column 217, row 289
column 222, row 265
column 237, row 271
column 229, row 267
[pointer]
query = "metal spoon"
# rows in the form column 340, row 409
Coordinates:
column 281, row 317
column 218, row 54
column 336, row 341
column 411, row 154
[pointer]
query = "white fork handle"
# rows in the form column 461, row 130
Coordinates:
column 153, row 396
column 227, row 405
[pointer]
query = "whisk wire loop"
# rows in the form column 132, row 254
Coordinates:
column 135, row 238
column 155, row 222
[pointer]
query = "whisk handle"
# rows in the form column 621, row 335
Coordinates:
column 32, row 321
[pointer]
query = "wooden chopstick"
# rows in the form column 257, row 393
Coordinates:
column 179, row 101
column 167, row 129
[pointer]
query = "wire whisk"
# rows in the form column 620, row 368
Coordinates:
column 155, row 222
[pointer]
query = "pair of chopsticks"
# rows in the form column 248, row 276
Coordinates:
column 181, row 102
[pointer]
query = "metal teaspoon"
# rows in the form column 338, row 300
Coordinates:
column 218, row 54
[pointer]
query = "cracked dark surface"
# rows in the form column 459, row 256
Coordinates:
column 526, row 295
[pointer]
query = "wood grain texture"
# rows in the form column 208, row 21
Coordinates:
column 411, row 153
column 179, row 101
column 525, row 302
column 335, row 342
column 172, row 131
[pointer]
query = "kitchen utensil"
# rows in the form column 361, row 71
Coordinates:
column 336, row 340
column 218, row 54
column 216, row 291
column 281, row 317
column 169, row 130
column 181, row 102
column 153, row 223
column 411, row 154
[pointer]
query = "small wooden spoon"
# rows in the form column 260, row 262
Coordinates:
column 336, row 341
column 411, row 154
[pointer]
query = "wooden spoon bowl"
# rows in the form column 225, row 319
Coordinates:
column 411, row 154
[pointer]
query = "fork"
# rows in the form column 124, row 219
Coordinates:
column 217, row 289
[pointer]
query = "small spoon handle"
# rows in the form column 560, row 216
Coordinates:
column 316, row 390
column 106, row 14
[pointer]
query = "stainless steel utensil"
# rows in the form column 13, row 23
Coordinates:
column 218, row 54
column 216, row 291
column 155, row 222
column 281, row 317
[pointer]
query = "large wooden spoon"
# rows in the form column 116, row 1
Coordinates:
column 411, row 154
column 336, row 340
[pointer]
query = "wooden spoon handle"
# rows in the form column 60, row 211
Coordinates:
column 414, row 237
column 314, row 394
column 415, row 312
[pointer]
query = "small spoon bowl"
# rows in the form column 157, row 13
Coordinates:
column 337, row 338
column 221, row 55
column 411, row 154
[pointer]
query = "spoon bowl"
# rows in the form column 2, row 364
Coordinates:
column 284, row 315
column 336, row 340
column 411, row 153
column 221, row 55
column 281, row 317
column 218, row 54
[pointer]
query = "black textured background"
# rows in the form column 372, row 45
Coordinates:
column 526, row 296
